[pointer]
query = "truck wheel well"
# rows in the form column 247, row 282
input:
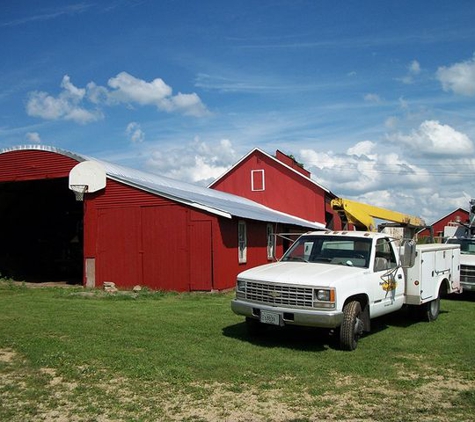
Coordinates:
column 444, row 288
column 364, row 302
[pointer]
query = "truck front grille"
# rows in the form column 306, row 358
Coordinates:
column 278, row 295
column 467, row 274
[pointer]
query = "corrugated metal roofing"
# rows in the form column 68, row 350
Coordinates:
column 213, row 201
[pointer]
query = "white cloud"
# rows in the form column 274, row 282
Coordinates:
column 372, row 98
column 362, row 169
column 362, row 148
column 197, row 162
column 128, row 89
column 458, row 78
column 135, row 133
column 413, row 69
column 403, row 104
column 391, row 122
column 33, row 137
column 84, row 105
column 190, row 104
column 97, row 94
column 65, row 106
column 433, row 138
column 381, row 174
column 71, row 91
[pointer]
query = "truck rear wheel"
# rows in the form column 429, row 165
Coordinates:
column 432, row 309
column 352, row 326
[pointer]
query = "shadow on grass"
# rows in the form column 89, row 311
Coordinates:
column 465, row 296
column 290, row 337
column 318, row 339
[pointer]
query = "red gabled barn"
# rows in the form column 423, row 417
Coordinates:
column 452, row 219
column 280, row 183
column 139, row 229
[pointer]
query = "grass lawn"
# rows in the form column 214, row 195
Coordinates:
column 68, row 354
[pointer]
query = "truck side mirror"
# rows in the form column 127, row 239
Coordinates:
column 407, row 253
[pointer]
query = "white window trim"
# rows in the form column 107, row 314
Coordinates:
column 242, row 242
column 253, row 188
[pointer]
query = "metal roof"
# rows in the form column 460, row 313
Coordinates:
column 213, row 201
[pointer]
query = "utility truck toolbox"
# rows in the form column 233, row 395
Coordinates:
column 432, row 262
column 342, row 279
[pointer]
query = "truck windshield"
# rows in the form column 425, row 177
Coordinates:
column 352, row 251
column 467, row 246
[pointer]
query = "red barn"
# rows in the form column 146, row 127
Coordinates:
column 454, row 218
column 280, row 183
column 136, row 229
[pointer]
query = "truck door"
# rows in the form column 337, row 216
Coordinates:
column 387, row 279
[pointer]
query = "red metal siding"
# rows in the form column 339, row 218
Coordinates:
column 117, row 194
column 165, row 249
column 33, row 165
column 155, row 242
column 200, row 255
column 284, row 190
column 118, row 246
column 226, row 265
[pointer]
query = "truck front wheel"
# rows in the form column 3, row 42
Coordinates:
column 352, row 326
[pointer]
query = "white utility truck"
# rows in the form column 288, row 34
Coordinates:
column 464, row 235
column 343, row 279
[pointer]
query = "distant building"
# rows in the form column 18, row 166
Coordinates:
column 452, row 219
column 280, row 183
column 140, row 228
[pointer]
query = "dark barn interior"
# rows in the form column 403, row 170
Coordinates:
column 41, row 225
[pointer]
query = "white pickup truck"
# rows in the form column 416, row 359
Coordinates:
column 343, row 279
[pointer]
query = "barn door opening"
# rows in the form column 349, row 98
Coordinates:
column 41, row 227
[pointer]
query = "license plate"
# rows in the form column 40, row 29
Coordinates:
column 272, row 318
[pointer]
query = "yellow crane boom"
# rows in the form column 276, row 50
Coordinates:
column 362, row 215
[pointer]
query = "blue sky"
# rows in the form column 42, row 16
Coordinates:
column 376, row 99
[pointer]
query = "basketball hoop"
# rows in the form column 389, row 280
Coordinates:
column 86, row 177
column 79, row 191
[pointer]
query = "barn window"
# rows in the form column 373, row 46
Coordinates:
column 257, row 180
column 270, row 242
column 242, row 242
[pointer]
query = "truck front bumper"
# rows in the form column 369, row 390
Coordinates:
column 290, row 316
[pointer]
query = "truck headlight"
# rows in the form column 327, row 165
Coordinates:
column 324, row 298
column 241, row 286
column 323, row 295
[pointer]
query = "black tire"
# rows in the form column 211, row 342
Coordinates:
column 352, row 326
column 254, row 327
column 432, row 309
